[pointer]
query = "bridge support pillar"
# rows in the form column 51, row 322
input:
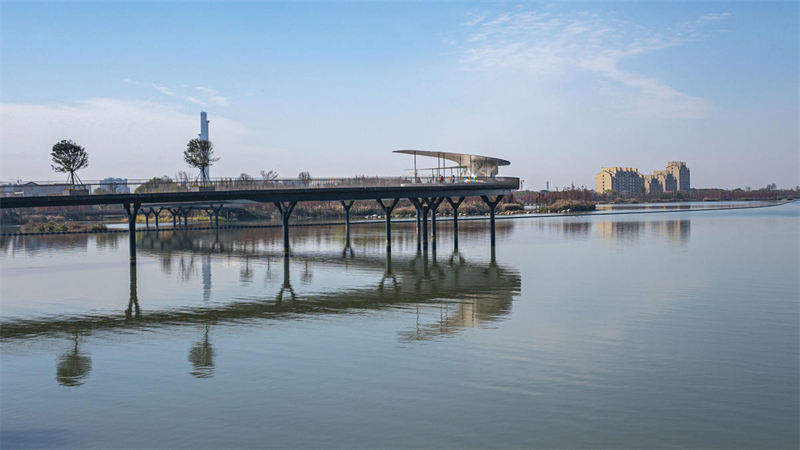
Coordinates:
column 418, row 209
column 147, row 218
column 285, row 209
column 422, row 210
column 455, row 206
column 186, row 217
column 216, row 215
column 387, row 209
column 433, row 206
column 132, row 211
column 492, row 205
column 174, row 213
column 157, row 213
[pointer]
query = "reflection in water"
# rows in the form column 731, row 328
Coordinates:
column 287, row 284
column 656, row 206
column 133, row 310
column 206, row 278
column 201, row 355
column 444, row 295
column 628, row 232
column 73, row 367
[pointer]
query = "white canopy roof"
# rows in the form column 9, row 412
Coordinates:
column 473, row 165
column 462, row 159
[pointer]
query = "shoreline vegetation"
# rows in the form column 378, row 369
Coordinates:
column 569, row 206
column 58, row 227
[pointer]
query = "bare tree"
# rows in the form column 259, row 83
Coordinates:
column 304, row 177
column 198, row 154
column 69, row 157
column 269, row 176
column 183, row 178
column 245, row 180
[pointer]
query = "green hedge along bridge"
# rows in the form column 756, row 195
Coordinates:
column 471, row 176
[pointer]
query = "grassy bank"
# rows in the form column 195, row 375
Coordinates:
column 55, row 227
column 569, row 206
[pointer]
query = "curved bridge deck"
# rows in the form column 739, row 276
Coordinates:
column 285, row 194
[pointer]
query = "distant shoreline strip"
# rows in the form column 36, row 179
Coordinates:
column 406, row 220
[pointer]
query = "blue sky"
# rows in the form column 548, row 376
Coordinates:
column 560, row 89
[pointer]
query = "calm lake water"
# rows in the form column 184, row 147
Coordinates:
column 660, row 330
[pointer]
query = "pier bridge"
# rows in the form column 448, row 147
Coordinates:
column 471, row 176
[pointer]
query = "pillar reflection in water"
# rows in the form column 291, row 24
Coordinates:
column 133, row 310
column 73, row 366
column 201, row 355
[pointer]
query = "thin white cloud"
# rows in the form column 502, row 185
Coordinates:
column 474, row 20
column 163, row 89
column 213, row 97
column 712, row 18
column 195, row 100
column 129, row 81
column 555, row 44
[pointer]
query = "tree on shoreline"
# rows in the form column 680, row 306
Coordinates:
column 69, row 157
column 198, row 154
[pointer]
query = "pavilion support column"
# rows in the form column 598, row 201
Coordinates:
column 285, row 208
column 492, row 205
column 455, row 206
column 347, row 206
column 132, row 211
column 387, row 209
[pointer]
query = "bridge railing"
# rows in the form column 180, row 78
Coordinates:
column 166, row 184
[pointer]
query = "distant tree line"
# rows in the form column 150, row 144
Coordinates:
column 769, row 192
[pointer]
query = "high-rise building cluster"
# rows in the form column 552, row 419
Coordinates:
column 628, row 179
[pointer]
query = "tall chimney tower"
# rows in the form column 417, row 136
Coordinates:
column 204, row 136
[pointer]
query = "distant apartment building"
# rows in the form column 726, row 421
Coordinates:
column 118, row 185
column 679, row 170
column 30, row 189
column 620, row 179
column 625, row 179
